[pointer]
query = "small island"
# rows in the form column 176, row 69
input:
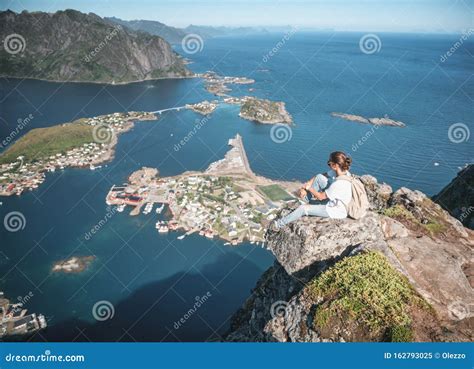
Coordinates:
column 205, row 107
column 75, row 264
column 227, row 200
column 264, row 111
column 385, row 121
column 217, row 85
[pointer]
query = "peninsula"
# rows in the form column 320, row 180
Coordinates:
column 227, row 200
column 385, row 121
column 14, row 319
column 86, row 142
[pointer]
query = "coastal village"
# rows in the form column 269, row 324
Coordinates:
column 14, row 319
column 227, row 200
column 28, row 173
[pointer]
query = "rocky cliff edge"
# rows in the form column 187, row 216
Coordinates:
column 404, row 272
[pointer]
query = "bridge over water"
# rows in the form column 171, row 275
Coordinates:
column 177, row 108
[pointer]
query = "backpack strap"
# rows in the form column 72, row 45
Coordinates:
column 344, row 177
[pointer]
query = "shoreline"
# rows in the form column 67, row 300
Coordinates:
column 97, row 82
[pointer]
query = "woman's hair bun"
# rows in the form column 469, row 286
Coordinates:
column 338, row 157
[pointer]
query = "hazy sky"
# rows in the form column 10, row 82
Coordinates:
column 357, row 15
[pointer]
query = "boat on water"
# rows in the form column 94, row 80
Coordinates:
column 148, row 208
column 160, row 209
column 181, row 237
column 121, row 208
column 163, row 229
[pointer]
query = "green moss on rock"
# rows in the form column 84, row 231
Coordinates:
column 367, row 291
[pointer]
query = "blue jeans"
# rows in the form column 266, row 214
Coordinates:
column 314, row 208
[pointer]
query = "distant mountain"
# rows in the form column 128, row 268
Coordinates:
column 210, row 31
column 73, row 46
column 175, row 35
column 170, row 34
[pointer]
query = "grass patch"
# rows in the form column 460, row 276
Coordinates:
column 41, row 143
column 366, row 290
column 400, row 334
column 274, row 192
column 434, row 227
column 399, row 212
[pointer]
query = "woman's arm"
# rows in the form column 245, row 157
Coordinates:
column 309, row 184
column 318, row 195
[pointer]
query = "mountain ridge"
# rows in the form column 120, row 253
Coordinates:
column 77, row 47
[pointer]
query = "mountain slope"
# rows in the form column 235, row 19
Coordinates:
column 170, row 34
column 73, row 46
column 458, row 196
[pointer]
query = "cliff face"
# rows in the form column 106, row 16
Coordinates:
column 404, row 272
column 458, row 197
column 73, row 46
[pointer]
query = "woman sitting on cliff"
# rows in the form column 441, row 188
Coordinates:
column 327, row 197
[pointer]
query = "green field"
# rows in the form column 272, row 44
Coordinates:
column 275, row 193
column 41, row 143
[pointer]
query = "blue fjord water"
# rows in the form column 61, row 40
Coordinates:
column 153, row 280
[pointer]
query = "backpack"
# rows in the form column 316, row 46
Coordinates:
column 359, row 203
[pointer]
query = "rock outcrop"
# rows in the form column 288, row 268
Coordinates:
column 407, row 247
column 385, row 121
column 458, row 196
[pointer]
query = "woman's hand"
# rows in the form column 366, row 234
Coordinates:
column 302, row 193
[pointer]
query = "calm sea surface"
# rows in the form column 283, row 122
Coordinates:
column 153, row 280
